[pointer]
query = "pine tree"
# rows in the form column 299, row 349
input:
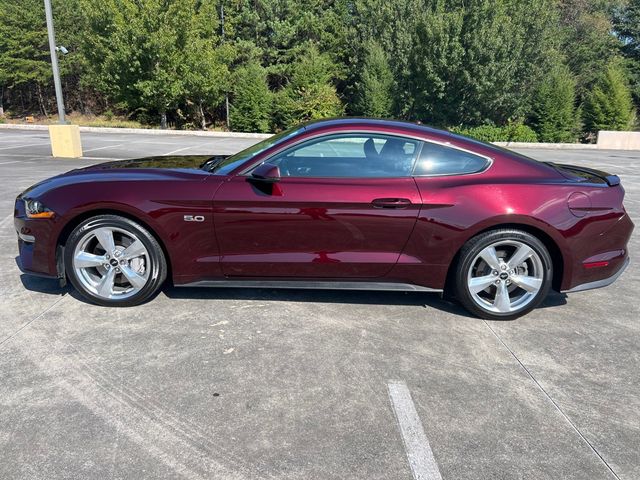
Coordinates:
column 309, row 95
column 374, row 96
column 609, row 105
column 554, row 116
column 252, row 100
column 24, row 50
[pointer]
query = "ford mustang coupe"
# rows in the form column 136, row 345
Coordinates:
column 345, row 203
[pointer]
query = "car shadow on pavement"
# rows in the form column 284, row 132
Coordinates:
column 356, row 297
column 48, row 286
column 360, row 297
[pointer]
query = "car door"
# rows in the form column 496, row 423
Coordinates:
column 344, row 206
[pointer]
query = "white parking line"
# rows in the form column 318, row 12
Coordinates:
column 26, row 145
column 423, row 463
column 179, row 150
column 22, row 155
column 102, row 148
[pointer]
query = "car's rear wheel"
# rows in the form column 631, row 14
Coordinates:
column 503, row 274
column 114, row 261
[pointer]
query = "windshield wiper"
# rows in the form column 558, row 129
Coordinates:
column 210, row 163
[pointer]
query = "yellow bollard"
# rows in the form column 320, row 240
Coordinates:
column 65, row 141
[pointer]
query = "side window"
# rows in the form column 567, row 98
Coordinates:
column 442, row 160
column 349, row 155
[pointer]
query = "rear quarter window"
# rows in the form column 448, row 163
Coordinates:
column 438, row 159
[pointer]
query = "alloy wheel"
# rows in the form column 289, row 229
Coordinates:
column 111, row 263
column 505, row 276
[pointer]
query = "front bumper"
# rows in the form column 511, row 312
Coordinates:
column 36, row 244
column 600, row 283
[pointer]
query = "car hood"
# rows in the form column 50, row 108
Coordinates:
column 170, row 162
column 139, row 169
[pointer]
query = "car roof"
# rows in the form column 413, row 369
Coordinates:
column 372, row 122
column 400, row 126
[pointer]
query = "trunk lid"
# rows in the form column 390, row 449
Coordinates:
column 585, row 174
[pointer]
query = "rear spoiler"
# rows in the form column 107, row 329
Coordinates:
column 609, row 179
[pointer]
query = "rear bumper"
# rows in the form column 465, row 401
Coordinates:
column 600, row 283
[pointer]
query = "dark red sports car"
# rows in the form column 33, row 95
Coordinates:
column 346, row 203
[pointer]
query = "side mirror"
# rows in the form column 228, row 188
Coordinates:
column 267, row 173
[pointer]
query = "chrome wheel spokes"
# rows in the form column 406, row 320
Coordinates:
column 505, row 276
column 111, row 262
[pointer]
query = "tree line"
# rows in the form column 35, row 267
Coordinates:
column 546, row 70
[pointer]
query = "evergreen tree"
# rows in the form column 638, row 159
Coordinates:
column 586, row 39
column 309, row 95
column 627, row 26
column 479, row 61
column 142, row 54
column 609, row 105
column 24, row 49
column 252, row 100
column 374, row 96
column 554, row 110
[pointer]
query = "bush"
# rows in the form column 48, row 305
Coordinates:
column 514, row 132
column 518, row 132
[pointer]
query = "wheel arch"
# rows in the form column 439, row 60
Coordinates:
column 558, row 259
column 81, row 217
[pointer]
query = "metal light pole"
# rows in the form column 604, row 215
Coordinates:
column 54, row 61
column 226, row 95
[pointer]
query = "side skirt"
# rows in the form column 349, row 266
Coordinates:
column 314, row 285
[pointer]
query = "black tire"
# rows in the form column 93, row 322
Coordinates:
column 468, row 257
column 156, row 274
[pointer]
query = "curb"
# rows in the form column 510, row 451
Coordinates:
column 550, row 146
column 140, row 131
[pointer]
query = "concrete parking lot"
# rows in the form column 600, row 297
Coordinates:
column 285, row 384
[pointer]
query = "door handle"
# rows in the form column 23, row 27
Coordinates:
column 391, row 203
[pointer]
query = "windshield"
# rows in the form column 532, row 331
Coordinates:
column 230, row 163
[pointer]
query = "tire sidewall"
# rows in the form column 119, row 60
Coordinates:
column 158, row 265
column 476, row 245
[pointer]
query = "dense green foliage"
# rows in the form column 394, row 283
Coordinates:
column 374, row 88
column 252, row 109
column 554, row 106
column 609, row 105
column 513, row 132
column 552, row 70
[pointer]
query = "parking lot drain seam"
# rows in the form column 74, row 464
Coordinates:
column 419, row 454
column 553, row 402
column 7, row 220
column 32, row 320
column 140, row 401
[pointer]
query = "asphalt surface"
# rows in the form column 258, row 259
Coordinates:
column 283, row 384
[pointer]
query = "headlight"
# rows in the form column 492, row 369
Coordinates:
column 35, row 209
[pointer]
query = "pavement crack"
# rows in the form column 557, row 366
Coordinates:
column 37, row 317
column 553, row 402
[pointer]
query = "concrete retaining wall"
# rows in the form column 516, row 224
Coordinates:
column 618, row 140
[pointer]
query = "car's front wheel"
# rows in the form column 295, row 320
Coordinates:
column 114, row 261
column 503, row 274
